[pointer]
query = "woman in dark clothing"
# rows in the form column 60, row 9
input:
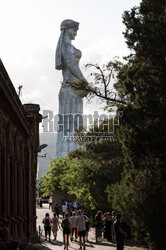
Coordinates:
column 99, row 226
column 41, row 202
column 108, row 227
column 66, row 225
column 87, row 224
column 56, row 210
column 120, row 233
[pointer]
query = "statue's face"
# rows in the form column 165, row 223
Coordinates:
column 72, row 33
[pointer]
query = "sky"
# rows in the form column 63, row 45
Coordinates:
column 29, row 34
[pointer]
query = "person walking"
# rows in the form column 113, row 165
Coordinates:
column 74, row 230
column 75, row 205
column 55, row 224
column 50, row 202
column 98, row 226
column 71, row 208
column 87, row 224
column 47, row 226
column 108, row 227
column 56, row 210
column 113, row 230
column 120, row 233
column 81, row 219
column 41, row 202
column 66, row 225
column 64, row 209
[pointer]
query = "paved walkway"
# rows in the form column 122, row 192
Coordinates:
column 58, row 245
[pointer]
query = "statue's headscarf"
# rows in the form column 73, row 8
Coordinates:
column 66, row 24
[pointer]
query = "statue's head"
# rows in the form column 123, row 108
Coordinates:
column 68, row 24
column 68, row 27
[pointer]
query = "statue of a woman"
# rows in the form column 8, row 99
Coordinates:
column 67, row 60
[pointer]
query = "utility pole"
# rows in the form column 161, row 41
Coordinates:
column 19, row 90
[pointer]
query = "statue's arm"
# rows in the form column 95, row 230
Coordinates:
column 69, row 62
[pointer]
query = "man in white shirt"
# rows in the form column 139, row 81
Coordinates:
column 75, row 205
column 81, row 228
column 73, row 220
column 64, row 209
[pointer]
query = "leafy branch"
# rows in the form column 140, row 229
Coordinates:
column 102, row 83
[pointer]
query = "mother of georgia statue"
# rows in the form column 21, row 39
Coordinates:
column 70, row 103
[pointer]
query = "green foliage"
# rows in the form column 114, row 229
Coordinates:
column 51, row 181
column 139, row 196
column 141, row 82
column 95, row 167
column 87, row 172
column 102, row 83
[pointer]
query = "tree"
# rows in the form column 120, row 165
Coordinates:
column 102, row 83
column 90, row 171
column 141, row 94
column 143, row 128
column 51, row 181
column 87, row 173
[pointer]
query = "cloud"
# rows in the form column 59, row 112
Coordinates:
column 30, row 31
column 104, row 50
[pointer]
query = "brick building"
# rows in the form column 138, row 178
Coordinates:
column 19, row 141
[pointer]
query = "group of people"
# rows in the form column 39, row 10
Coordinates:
column 76, row 223
column 74, row 226
column 39, row 202
column 112, row 227
column 69, row 207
